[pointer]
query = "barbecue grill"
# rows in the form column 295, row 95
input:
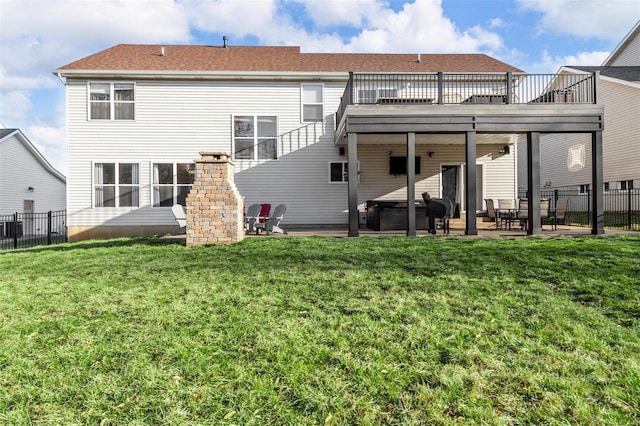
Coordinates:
column 438, row 208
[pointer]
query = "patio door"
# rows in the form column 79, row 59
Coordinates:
column 452, row 179
column 450, row 185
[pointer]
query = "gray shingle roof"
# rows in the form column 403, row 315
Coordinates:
column 5, row 132
column 621, row 73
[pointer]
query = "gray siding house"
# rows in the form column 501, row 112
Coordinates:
column 566, row 158
column 297, row 126
column 28, row 183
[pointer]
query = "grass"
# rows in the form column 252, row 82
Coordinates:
column 332, row 331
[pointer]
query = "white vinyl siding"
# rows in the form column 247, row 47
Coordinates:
column 176, row 120
column 19, row 170
column 630, row 56
column 560, row 155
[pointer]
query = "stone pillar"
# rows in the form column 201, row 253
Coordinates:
column 214, row 205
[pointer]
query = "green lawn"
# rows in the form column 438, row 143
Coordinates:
column 326, row 331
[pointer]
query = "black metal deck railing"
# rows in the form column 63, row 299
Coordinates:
column 467, row 88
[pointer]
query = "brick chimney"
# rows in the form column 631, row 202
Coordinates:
column 214, row 205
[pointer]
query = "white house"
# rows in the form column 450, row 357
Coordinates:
column 297, row 125
column 28, row 183
column 566, row 158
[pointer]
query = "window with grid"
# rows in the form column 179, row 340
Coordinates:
column 312, row 102
column 255, row 137
column 626, row 184
column 172, row 183
column 111, row 101
column 339, row 172
column 116, row 185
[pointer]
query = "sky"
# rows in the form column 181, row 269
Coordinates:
column 38, row 36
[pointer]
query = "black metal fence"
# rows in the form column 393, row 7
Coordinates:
column 621, row 207
column 20, row 230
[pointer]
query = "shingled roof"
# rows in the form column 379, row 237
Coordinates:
column 190, row 58
column 621, row 73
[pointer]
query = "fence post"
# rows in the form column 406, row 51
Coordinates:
column 509, row 87
column 49, row 228
column 588, row 207
column 440, row 87
column 15, row 230
column 629, row 208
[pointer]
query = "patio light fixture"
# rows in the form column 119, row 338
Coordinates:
column 505, row 150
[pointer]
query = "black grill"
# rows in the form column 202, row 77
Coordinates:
column 437, row 208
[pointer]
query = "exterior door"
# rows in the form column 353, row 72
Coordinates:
column 450, row 182
column 28, row 211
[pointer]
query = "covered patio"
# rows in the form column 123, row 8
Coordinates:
column 473, row 107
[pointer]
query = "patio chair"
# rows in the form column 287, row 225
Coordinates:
column 180, row 215
column 545, row 204
column 265, row 209
column 523, row 212
column 251, row 217
column 492, row 213
column 273, row 223
column 560, row 212
column 507, row 211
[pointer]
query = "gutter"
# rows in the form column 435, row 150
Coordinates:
column 203, row 75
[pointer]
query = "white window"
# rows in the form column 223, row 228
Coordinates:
column 255, row 137
column 116, row 184
column 339, row 172
column 172, row 183
column 111, row 101
column 606, row 187
column 626, row 184
column 312, row 102
column 584, row 189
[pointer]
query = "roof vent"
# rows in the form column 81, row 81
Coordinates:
column 419, row 60
column 225, row 39
column 162, row 51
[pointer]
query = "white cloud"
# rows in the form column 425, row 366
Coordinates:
column 552, row 63
column 609, row 20
column 40, row 35
column 421, row 26
column 51, row 142
column 496, row 23
column 332, row 13
column 232, row 17
column 14, row 107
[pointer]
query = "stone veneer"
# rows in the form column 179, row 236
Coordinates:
column 214, row 205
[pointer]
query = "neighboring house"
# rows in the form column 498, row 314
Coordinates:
column 297, row 126
column 28, row 183
column 566, row 159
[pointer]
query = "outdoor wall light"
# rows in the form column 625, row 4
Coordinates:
column 505, row 150
column 30, row 189
column 341, row 151
column 430, row 154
